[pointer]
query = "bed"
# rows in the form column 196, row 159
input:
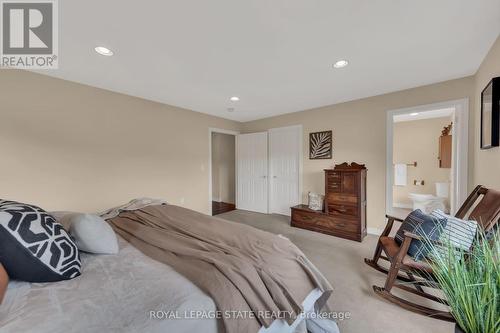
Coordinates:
column 127, row 292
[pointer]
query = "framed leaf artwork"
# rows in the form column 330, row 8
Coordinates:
column 320, row 145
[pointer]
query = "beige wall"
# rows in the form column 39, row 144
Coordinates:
column 66, row 146
column 70, row 146
column 359, row 134
column 223, row 167
column 486, row 162
column 418, row 141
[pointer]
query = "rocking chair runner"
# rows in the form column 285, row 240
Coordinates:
column 485, row 206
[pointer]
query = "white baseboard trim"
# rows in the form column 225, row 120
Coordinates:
column 402, row 205
column 374, row 231
column 216, row 199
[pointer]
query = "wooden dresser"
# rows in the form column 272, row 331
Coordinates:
column 344, row 212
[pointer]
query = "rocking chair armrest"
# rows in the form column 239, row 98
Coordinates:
column 390, row 223
column 394, row 218
column 431, row 241
column 412, row 235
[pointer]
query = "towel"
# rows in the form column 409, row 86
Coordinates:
column 400, row 174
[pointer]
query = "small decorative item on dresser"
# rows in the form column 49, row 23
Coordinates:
column 320, row 145
column 316, row 201
column 345, row 204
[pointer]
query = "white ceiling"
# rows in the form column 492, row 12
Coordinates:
column 275, row 55
column 428, row 114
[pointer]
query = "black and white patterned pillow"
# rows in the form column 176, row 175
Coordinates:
column 34, row 247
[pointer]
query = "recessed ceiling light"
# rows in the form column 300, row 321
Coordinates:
column 340, row 64
column 234, row 99
column 230, row 109
column 104, row 51
column 414, row 114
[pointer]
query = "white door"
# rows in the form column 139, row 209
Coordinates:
column 284, row 163
column 252, row 172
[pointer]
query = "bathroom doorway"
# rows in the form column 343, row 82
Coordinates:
column 427, row 157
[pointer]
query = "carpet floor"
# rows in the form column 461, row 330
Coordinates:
column 341, row 261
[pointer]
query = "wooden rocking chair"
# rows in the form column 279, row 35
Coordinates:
column 485, row 207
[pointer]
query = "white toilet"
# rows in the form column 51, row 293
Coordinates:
column 429, row 202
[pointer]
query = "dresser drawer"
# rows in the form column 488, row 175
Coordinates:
column 337, row 209
column 338, row 224
column 348, row 227
column 334, row 187
column 342, row 199
column 324, row 222
column 333, row 182
column 333, row 174
column 305, row 217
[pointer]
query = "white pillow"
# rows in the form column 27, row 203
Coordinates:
column 459, row 233
column 93, row 234
column 64, row 218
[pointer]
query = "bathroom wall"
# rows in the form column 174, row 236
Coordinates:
column 418, row 141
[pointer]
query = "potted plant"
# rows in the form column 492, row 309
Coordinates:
column 470, row 282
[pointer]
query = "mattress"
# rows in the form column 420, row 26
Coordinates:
column 127, row 292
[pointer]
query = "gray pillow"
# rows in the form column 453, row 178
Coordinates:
column 92, row 234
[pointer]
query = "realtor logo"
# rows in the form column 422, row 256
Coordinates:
column 29, row 34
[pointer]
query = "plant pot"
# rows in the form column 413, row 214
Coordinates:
column 458, row 329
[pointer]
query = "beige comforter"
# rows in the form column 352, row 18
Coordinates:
column 240, row 267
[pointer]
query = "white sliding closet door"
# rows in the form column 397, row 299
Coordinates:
column 252, row 172
column 284, row 160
